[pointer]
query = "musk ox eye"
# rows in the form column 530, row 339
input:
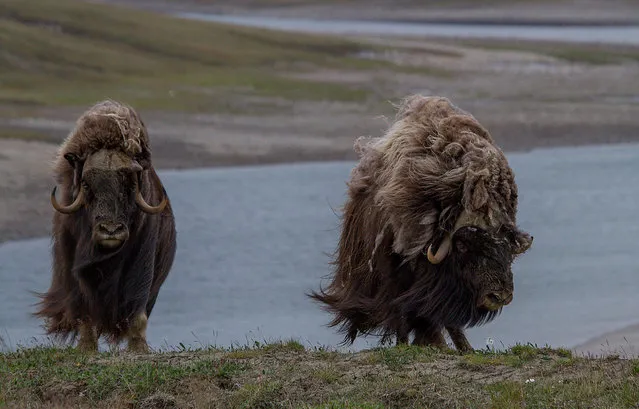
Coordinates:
column 461, row 247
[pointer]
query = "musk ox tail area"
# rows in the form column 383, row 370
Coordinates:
column 52, row 309
column 349, row 320
column 354, row 315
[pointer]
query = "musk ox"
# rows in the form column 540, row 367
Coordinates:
column 112, row 247
column 428, row 230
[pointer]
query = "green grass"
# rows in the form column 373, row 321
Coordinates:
column 398, row 357
column 516, row 356
column 327, row 375
column 345, row 405
column 287, row 375
column 591, row 391
column 70, row 52
column 42, row 369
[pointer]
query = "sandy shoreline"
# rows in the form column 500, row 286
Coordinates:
column 623, row 342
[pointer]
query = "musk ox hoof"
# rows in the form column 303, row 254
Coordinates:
column 88, row 342
column 466, row 350
column 138, row 346
column 458, row 336
column 88, row 347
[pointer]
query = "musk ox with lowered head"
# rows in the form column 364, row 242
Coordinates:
column 429, row 230
column 112, row 247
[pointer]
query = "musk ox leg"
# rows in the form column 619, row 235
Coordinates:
column 88, row 338
column 458, row 337
column 403, row 332
column 431, row 337
column 402, row 338
column 137, row 335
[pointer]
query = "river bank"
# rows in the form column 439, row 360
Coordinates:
column 623, row 342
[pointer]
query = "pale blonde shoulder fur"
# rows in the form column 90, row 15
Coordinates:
column 434, row 161
column 106, row 125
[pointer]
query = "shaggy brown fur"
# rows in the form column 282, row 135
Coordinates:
column 434, row 172
column 98, row 290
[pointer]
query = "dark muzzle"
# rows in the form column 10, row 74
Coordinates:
column 110, row 235
column 496, row 300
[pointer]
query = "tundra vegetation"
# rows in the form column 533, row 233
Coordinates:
column 288, row 375
column 71, row 52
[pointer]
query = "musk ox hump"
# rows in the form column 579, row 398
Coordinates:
column 112, row 160
column 434, row 163
column 451, row 119
column 107, row 125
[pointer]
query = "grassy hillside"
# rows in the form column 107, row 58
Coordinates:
column 285, row 375
column 421, row 3
column 58, row 52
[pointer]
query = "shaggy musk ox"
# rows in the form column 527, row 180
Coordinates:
column 112, row 248
column 428, row 232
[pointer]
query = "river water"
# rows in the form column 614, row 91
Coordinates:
column 253, row 240
column 620, row 35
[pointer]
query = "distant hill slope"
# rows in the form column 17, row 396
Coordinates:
column 75, row 52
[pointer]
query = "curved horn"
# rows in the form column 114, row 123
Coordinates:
column 147, row 208
column 524, row 241
column 442, row 251
column 73, row 207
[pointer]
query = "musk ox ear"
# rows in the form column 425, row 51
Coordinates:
column 460, row 247
column 136, row 167
column 143, row 158
column 77, row 165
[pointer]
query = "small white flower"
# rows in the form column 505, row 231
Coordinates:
column 531, row 380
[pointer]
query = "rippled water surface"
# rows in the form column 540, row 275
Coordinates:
column 253, row 240
column 628, row 35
